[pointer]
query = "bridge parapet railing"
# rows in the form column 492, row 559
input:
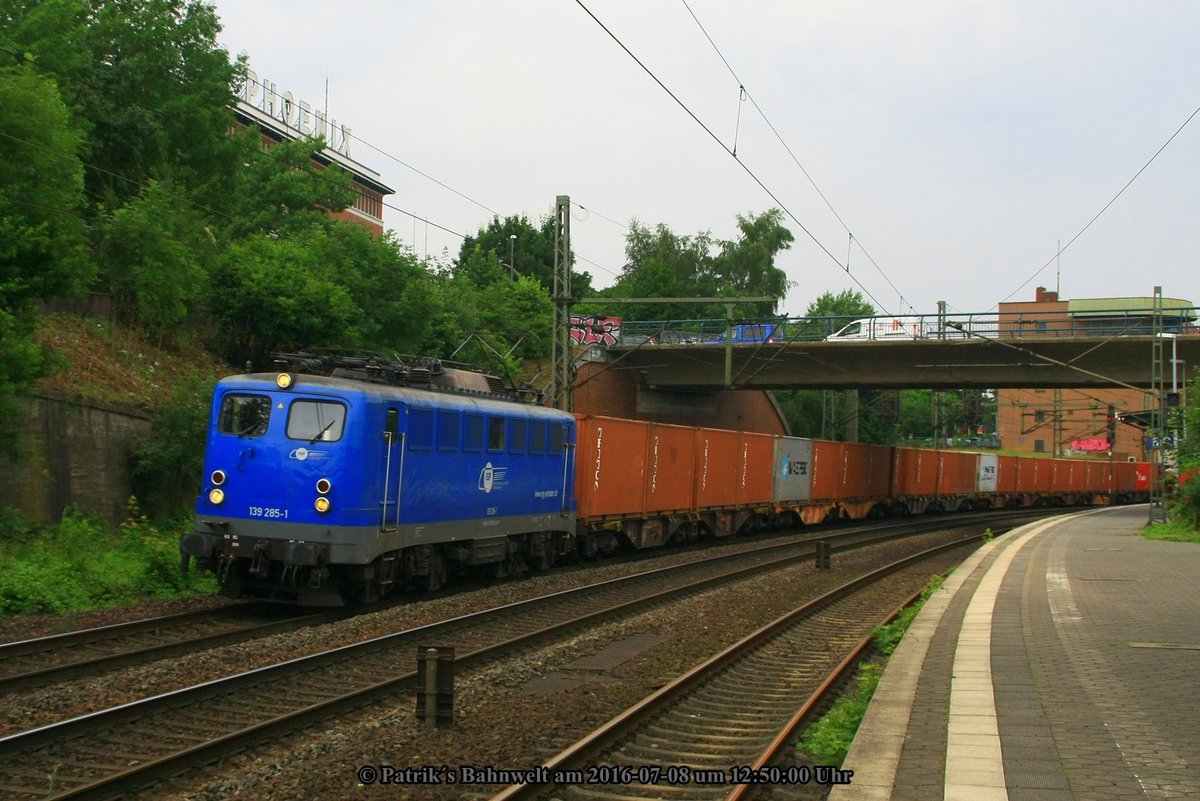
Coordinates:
column 987, row 325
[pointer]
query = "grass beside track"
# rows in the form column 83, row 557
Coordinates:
column 80, row 564
column 828, row 740
column 1173, row 531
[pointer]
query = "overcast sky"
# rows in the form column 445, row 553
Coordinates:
column 958, row 141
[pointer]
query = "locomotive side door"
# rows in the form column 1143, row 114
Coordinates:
column 393, row 471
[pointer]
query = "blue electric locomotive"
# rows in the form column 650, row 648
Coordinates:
column 322, row 489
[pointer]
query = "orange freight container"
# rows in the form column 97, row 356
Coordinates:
column 1079, row 476
column 1142, row 472
column 1096, row 478
column 1006, row 478
column 1060, row 476
column 1125, row 476
column 1034, row 475
column 914, row 472
column 828, row 464
column 866, row 472
column 755, row 479
column 669, row 468
column 958, row 472
column 610, row 467
column 716, row 468
column 866, row 478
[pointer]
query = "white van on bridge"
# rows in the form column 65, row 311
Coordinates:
column 885, row 329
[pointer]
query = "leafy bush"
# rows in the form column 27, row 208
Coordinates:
column 165, row 469
column 80, row 564
column 1186, row 507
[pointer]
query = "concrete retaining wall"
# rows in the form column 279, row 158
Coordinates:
column 76, row 453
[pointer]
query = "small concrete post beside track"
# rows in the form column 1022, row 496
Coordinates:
column 824, row 555
column 435, row 686
column 431, row 665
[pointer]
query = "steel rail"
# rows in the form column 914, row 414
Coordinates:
column 151, row 768
column 96, row 664
column 586, row 750
column 788, row 731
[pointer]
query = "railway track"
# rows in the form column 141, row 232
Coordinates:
column 70, row 655
column 717, row 731
column 122, row 749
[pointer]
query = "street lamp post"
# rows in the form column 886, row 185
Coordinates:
column 512, row 246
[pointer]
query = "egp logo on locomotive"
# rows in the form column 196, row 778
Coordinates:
column 492, row 477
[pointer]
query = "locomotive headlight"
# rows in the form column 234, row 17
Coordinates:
column 324, row 486
column 321, row 505
column 283, row 380
column 216, row 496
column 218, row 477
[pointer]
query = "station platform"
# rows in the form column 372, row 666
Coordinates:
column 1061, row 661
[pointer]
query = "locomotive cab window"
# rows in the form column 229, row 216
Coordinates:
column 316, row 421
column 420, row 429
column 472, row 432
column 537, row 437
column 516, row 435
column 557, row 437
column 447, row 431
column 495, row 433
column 244, row 415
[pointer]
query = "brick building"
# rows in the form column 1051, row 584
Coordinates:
column 282, row 117
column 1073, row 422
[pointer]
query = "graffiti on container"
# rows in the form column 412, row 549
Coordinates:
column 595, row 330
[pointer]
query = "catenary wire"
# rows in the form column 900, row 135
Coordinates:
column 749, row 96
column 725, row 147
column 1106, row 207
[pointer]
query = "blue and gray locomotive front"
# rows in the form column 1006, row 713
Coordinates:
column 320, row 490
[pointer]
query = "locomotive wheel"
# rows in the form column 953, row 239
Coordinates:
column 437, row 573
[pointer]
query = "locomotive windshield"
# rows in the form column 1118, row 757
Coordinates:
column 244, row 415
column 316, row 421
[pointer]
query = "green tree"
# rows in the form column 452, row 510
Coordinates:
column 146, row 77
column 41, row 232
column 832, row 311
column 280, row 191
column 155, row 255
column 166, row 466
column 746, row 266
column 510, row 315
column 1186, row 506
column 273, row 294
column 391, row 287
column 661, row 263
column 531, row 252
column 41, row 190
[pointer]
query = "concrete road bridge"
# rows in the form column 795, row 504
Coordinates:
column 1077, row 361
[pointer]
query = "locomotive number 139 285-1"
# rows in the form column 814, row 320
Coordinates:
column 268, row 512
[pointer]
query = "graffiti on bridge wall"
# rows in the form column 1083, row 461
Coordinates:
column 596, row 330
